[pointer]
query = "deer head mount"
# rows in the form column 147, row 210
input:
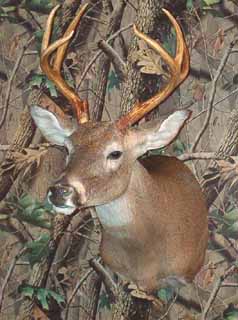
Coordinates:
column 153, row 215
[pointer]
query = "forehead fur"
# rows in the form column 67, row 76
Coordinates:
column 96, row 133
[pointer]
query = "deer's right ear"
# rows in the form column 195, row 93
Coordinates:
column 51, row 127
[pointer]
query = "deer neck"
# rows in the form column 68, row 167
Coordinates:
column 121, row 214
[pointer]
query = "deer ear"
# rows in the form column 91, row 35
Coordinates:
column 54, row 130
column 160, row 135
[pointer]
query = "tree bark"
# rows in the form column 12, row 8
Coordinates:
column 104, row 63
column 228, row 147
column 134, row 87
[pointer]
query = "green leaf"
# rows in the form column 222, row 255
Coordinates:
column 25, row 201
column 165, row 294
column 9, row 18
column 113, row 81
column 231, row 313
column 211, row 2
column 26, row 291
column 232, row 231
column 38, row 249
column 9, row 9
column 179, row 147
column 31, row 210
column 41, row 295
column 231, row 216
column 41, row 6
column 56, row 296
column 51, row 87
column 38, row 37
column 169, row 41
column 104, row 301
column 7, row 3
column 189, row 4
column 36, row 80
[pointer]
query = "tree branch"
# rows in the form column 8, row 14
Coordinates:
column 118, row 63
column 200, row 156
column 8, row 275
column 100, row 52
column 10, row 81
column 213, row 93
column 215, row 290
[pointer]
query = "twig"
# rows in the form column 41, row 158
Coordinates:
column 169, row 308
column 10, row 81
column 229, row 285
column 9, row 273
column 109, row 283
column 31, row 53
column 77, row 287
column 212, row 94
column 95, row 19
column 199, row 155
column 98, row 53
column 226, row 97
column 118, row 63
column 204, row 42
column 33, row 18
column 215, row 290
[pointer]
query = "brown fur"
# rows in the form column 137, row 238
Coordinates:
column 168, row 237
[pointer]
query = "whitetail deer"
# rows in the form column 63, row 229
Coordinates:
column 152, row 211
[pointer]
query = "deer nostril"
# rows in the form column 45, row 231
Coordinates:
column 63, row 191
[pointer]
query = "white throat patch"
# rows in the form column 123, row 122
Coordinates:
column 116, row 213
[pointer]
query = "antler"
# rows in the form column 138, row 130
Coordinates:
column 53, row 71
column 179, row 67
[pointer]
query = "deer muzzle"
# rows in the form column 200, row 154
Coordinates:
column 64, row 198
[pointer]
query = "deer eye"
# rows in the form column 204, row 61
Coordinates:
column 114, row 155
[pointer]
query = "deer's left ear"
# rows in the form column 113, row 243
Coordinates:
column 159, row 135
column 55, row 130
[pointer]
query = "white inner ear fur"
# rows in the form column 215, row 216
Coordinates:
column 157, row 135
column 50, row 126
column 168, row 130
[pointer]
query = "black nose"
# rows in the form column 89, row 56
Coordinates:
column 60, row 191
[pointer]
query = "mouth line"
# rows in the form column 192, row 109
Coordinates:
column 65, row 206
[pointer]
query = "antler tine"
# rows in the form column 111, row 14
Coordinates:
column 53, row 72
column 179, row 67
column 48, row 29
column 71, row 28
column 182, row 56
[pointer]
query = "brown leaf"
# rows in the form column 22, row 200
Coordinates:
column 199, row 92
column 229, row 173
column 24, row 159
column 38, row 314
column 14, row 45
column 219, row 42
column 149, row 61
column 205, row 276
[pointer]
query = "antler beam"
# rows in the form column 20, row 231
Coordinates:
column 179, row 68
column 53, row 71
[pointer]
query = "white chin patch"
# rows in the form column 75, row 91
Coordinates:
column 68, row 208
column 66, row 211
